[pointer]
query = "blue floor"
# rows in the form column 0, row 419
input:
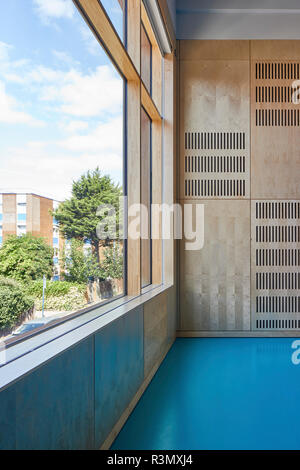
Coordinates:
column 219, row 394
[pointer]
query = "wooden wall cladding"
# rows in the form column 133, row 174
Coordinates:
column 214, row 119
column 215, row 281
column 252, row 216
column 275, row 264
column 275, row 120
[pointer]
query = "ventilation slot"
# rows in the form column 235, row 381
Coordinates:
column 203, row 164
column 277, row 234
column 214, row 188
column 215, row 141
column 280, row 324
column 277, row 210
column 274, row 257
column 277, row 71
column 278, row 304
column 277, row 117
column 278, row 281
column 276, row 94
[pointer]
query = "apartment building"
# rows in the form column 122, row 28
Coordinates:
column 22, row 213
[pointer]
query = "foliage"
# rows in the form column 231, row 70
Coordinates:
column 81, row 264
column 74, row 299
column 112, row 265
column 53, row 288
column 13, row 303
column 25, row 258
column 77, row 217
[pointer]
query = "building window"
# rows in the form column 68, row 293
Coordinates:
column 21, row 217
column 146, row 60
column 21, row 230
column 146, row 199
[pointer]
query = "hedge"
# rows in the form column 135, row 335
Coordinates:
column 14, row 303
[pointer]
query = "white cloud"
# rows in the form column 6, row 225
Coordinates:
column 4, row 48
column 91, row 43
column 65, row 58
column 9, row 112
column 50, row 172
column 75, row 126
column 106, row 137
column 88, row 95
column 48, row 9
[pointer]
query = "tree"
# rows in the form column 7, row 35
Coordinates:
column 77, row 217
column 80, row 264
column 26, row 258
column 113, row 263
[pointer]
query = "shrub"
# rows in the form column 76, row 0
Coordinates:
column 25, row 258
column 73, row 300
column 53, row 288
column 14, row 302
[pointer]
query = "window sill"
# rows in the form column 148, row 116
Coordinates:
column 23, row 357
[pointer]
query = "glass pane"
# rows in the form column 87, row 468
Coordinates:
column 61, row 157
column 146, row 60
column 146, row 191
column 116, row 9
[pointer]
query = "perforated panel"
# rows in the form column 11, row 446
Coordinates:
column 275, row 265
column 275, row 146
column 214, row 160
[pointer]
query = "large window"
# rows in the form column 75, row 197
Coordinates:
column 81, row 127
column 62, row 158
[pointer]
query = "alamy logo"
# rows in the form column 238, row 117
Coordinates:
column 168, row 222
column 296, row 92
column 296, row 353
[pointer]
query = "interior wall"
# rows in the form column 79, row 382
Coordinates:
column 239, row 157
column 77, row 399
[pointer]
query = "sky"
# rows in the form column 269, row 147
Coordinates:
column 61, row 99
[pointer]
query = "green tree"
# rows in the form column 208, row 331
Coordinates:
column 77, row 217
column 26, row 258
column 113, row 262
column 80, row 264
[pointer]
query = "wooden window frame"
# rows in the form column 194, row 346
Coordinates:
column 127, row 59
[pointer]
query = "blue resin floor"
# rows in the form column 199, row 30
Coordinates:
column 219, row 394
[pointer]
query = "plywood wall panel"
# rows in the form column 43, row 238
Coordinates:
column 275, row 264
column 215, row 281
column 214, row 119
column 275, row 127
column 239, row 149
column 214, row 50
column 275, row 50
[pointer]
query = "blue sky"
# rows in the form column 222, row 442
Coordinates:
column 60, row 98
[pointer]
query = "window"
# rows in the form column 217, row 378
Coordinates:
column 63, row 121
column 146, row 60
column 81, row 120
column 116, row 11
column 146, row 199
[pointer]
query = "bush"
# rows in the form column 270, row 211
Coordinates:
column 26, row 258
column 73, row 300
column 14, row 303
column 53, row 288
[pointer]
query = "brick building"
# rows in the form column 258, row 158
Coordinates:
column 22, row 213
